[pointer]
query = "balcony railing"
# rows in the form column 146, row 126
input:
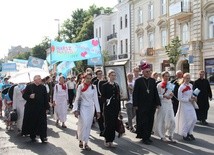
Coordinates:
column 111, row 36
column 180, row 10
column 123, row 56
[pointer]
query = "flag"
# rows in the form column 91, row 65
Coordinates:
column 35, row 62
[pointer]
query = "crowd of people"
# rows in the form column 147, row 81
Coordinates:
column 157, row 107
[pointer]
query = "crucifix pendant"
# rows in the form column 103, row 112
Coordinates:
column 147, row 91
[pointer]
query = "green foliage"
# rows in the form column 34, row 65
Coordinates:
column 39, row 50
column 173, row 50
column 80, row 66
column 24, row 56
column 105, row 55
column 80, row 26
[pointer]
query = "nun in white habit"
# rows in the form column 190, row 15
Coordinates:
column 84, row 110
column 19, row 104
column 164, row 120
column 60, row 101
column 186, row 115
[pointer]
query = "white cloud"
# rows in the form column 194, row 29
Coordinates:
column 26, row 22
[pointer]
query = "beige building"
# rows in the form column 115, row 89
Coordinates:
column 155, row 22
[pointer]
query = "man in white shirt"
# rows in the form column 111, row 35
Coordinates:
column 71, row 89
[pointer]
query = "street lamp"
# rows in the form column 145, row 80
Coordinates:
column 57, row 20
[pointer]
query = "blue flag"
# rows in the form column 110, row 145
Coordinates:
column 95, row 61
column 64, row 67
column 8, row 67
column 35, row 62
column 61, row 51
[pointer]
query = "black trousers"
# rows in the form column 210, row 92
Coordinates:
column 175, row 104
column 202, row 113
column 70, row 96
column 110, row 118
column 101, row 119
column 147, row 118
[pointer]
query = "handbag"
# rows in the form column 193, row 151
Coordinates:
column 120, row 127
column 13, row 116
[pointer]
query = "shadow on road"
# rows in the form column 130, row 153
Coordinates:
column 25, row 144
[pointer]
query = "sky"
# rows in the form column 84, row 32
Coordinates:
column 27, row 22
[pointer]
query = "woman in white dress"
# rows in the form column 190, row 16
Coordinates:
column 19, row 104
column 165, row 121
column 186, row 115
column 60, row 101
column 84, row 107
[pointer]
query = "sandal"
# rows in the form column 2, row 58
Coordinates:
column 81, row 144
column 87, row 148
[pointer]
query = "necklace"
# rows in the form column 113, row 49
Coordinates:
column 147, row 87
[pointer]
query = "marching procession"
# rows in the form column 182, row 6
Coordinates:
column 93, row 98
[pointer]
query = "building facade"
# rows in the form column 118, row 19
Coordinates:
column 150, row 25
column 113, row 31
column 156, row 22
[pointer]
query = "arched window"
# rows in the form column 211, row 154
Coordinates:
column 185, row 34
column 211, row 27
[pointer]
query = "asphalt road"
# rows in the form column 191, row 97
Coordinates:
column 64, row 142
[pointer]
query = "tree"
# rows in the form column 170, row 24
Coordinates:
column 80, row 26
column 39, row 50
column 105, row 55
column 173, row 50
column 24, row 56
column 72, row 27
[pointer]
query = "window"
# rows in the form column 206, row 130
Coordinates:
column 96, row 32
column 140, row 16
column 163, row 7
column 140, row 43
column 151, row 40
column 151, row 11
column 99, row 32
column 209, row 65
column 126, row 42
column 126, row 20
column 185, row 6
column 211, row 27
column 163, row 38
column 121, row 23
column 114, row 49
column 121, row 47
column 113, row 29
column 185, row 34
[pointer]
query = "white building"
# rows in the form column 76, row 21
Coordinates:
column 156, row 22
column 113, row 31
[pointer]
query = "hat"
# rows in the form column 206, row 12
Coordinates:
column 144, row 65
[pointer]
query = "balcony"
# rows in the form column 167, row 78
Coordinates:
column 123, row 56
column 180, row 10
column 112, row 57
column 112, row 37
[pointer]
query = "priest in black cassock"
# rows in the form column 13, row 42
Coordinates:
column 145, row 101
column 203, row 97
column 35, row 119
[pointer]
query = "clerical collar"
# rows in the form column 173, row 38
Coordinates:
column 112, row 83
column 146, row 78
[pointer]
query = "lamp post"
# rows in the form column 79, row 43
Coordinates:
column 57, row 20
